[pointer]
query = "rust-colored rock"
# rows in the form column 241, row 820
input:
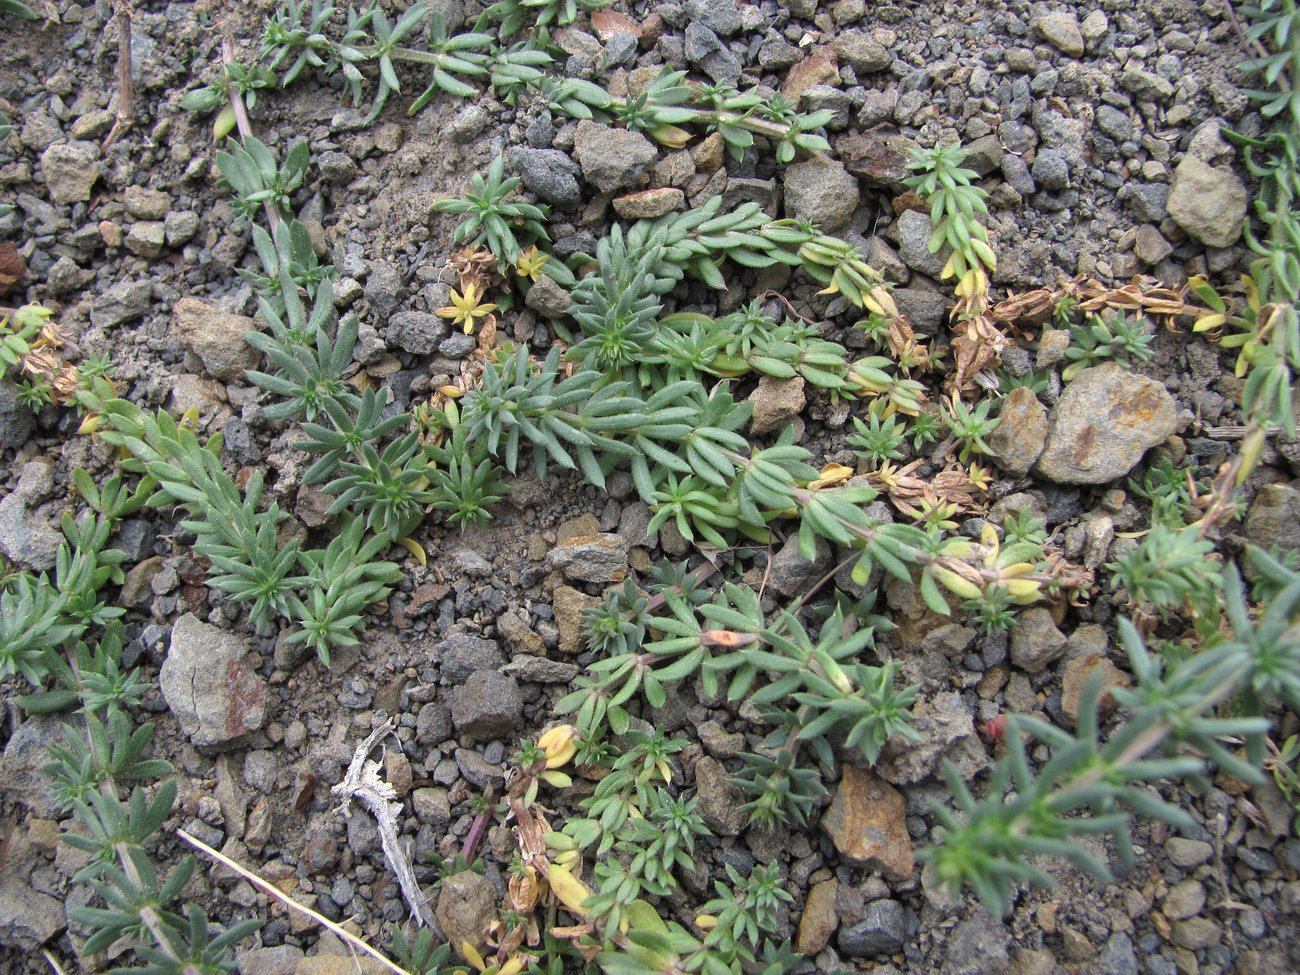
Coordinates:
column 607, row 23
column 1077, row 672
column 866, row 823
column 819, row 68
column 819, row 920
column 1104, row 422
column 877, row 158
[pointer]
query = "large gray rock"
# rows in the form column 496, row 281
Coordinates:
column 978, row 946
column 216, row 337
column 460, row 655
column 821, row 191
column 611, row 158
column 914, row 230
column 599, row 557
column 791, row 575
column 26, row 538
column 487, row 705
column 1208, row 202
column 1104, row 422
column 206, row 680
column 549, row 173
column 719, row 800
column 70, row 170
column 776, row 403
column 862, row 52
column 1061, row 30
column 720, row 16
column 1035, row 640
column 416, row 332
column 28, row 918
column 123, row 302
column 16, row 419
column 1274, row 518
column 706, row 51
column 882, row 931
column 947, row 730
column 26, row 753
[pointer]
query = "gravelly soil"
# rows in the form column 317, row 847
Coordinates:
column 1078, row 150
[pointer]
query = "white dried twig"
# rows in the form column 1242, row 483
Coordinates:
column 363, row 783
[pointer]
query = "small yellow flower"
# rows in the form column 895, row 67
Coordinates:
column 558, row 744
column 466, row 309
column 530, row 263
column 831, row 475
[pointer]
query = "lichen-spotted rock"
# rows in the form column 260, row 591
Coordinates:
column 1104, row 422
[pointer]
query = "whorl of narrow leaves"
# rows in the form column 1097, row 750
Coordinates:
column 1090, row 784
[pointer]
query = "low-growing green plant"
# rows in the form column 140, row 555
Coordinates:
column 37, row 616
column 296, row 37
column 420, row 955
column 338, row 585
column 516, row 15
column 18, row 330
column 465, row 490
column 955, row 207
column 666, row 103
column 1100, row 340
column 1172, row 492
column 258, row 180
column 879, row 439
column 1091, row 783
column 492, row 218
column 971, row 427
column 93, row 677
column 1169, row 568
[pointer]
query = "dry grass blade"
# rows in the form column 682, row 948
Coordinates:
column 271, row 891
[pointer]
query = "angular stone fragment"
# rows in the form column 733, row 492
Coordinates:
column 947, row 731
column 648, row 204
column 1077, row 672
column 599, row 557
column 70, row 170
column 487, row 705
column 866, row 821
column 719, row 800
column 1061, row 30
column 819, row 919
column 821, row 191
column 611, row 158
column 467, row 904
column 218, row 699
column 28, row 918
column 1208, row 202
column 1021, row 432
column 568, row 604
column 776, row 403
column 1035, row 640
column 216, row 337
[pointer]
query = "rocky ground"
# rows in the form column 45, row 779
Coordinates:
column 1096, row 128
